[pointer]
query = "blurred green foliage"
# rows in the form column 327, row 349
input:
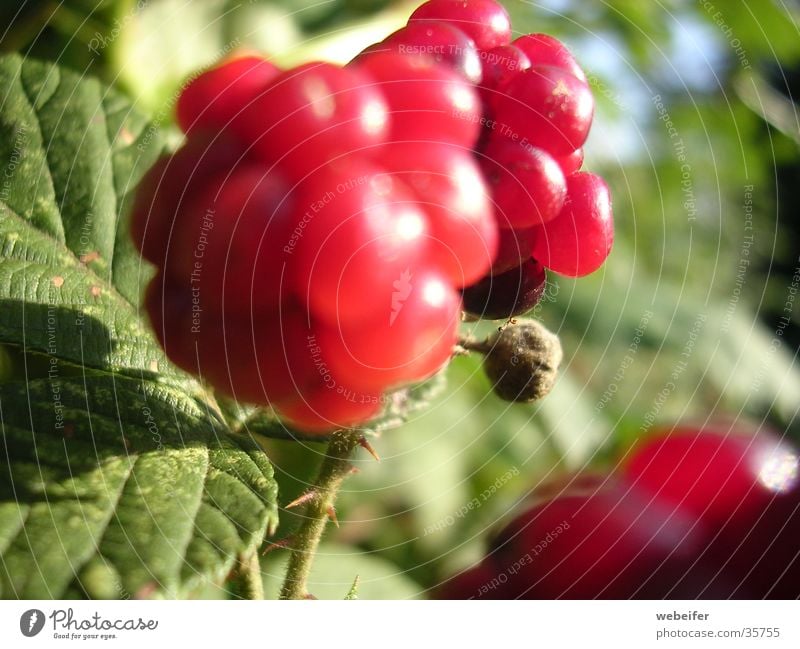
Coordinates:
column 693, row 317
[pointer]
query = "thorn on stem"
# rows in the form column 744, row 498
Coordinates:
column 363, row 443
column 277, row 545
column 332, row 515
column 302, row 499
column 146, row 591
column 353, row 592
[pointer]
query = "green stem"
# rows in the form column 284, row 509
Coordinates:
column 470, row 344
column 248, row 582
column 334, row 470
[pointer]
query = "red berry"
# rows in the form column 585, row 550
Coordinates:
column 229, row 242
column 579, row 239
column 324, row 409
column 485, row 21
column 503, row 296
column 545, row 107
column 426, row 101
column 266, row 359
column 443, row 43
column 499, row 65
column 312, row 113
column 149, row 223
column 715, row 472
column 745, row 487
column 170, row 314
column 543, row 49
column 408, row 340
column 515, row 248
column 258, row 357
column 171, row 183
column 572, row 162
column 526, row 183
column 448, row 186
column 211, row 100
column 609, row 544
column 759, row 553
column 359, row 230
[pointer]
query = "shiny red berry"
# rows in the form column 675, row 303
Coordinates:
column 499, row 65
column 259, row 357
column 572, row 162
column 543, row 49
column 743, row 486
column 229, row 243
column 171, row 183
column 426, row 101
column 545, row 107
column 578, row 241
column 358, row 231
column 447, row 185
column 325, row 409
column 441, row 42
column 485, row 21
column 310, row 114
column 715, row 472
column 408, row 340
column 211, row 100
column 526, row 184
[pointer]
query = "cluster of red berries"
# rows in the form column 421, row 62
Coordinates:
column 536, row 111
column 315, row 232
column 694, row 513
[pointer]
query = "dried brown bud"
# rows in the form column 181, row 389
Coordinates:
column 522, row 361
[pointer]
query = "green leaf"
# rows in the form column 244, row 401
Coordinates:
column 70, row 278
column 119, row 487
column 121, row 478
